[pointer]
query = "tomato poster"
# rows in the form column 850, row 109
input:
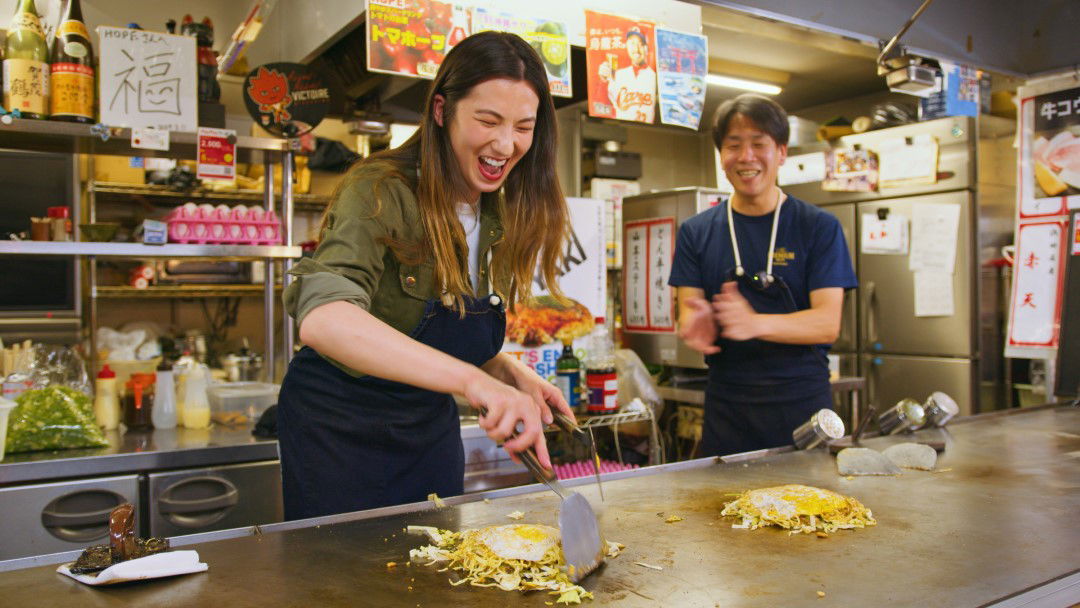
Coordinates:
column 547, row 37
column 411, row 37
column 620, row 57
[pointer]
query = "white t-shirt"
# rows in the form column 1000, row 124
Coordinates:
column 470, row 222
column 633, row 94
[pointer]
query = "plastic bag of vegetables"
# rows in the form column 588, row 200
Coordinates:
column 53, row 418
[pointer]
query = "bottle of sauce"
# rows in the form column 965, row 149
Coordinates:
column 72, row 69
column 106, row 403
column 138, row 402
column 26, row 64
column 196, row 409
column 600, row 378
column 164, row 414
column 568, row 375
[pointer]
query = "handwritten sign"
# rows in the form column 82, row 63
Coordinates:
column 884, row 236
column 935, row 229
column 647, row 302
column 1037, row 289
column 149, row 80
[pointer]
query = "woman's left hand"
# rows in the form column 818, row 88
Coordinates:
column 525, row 379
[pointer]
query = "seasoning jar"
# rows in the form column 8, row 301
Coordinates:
column 822, row 427
column 906, row 415
column 138, row 402
column 60, row 222
column 940, row 409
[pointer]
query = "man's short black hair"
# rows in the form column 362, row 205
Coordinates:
column 635, row 31
column 762, row 111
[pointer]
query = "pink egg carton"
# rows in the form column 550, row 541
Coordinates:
column 218, row 226
column 584, row 468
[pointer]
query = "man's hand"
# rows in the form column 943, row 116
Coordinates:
column 696, row 325
column 734, row 315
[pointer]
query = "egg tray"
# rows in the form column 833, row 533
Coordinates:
column 220, row 227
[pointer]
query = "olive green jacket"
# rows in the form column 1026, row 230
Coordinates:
column 352, row 265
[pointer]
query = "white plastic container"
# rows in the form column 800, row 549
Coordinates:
column 6, row 405
column 248, row 398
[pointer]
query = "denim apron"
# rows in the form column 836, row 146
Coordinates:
column 350, row 443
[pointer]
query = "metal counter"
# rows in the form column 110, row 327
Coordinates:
column 141, row 451
column 997, row 519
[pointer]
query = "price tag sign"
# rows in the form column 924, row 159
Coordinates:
column 150, row 139
column 217, row 154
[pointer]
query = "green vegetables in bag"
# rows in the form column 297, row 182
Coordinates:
column 52, row 418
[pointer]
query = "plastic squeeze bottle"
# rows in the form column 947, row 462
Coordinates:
column 164, row 412
column 106, row 403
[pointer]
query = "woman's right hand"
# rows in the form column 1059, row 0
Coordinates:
column 506, row 406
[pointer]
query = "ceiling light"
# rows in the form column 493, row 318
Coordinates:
column 741, row 83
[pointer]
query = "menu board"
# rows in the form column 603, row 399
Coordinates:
column 1055, row 148
column 620, row 60
column 648, row 305
column 547, row 37
column 411, row 37
column 682, row 62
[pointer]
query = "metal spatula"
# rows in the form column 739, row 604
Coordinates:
column 579, row 530
column 582, row 544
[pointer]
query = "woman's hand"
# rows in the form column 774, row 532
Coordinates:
column 506, row 406
column 525, row 379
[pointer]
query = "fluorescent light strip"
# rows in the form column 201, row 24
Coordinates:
column 739, row 83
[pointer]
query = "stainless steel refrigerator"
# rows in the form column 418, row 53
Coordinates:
column 899, row 353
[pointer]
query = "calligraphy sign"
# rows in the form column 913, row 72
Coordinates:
column 148, row 79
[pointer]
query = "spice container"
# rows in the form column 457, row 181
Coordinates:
column 138, row 402
column 906, row 415
column 60, row 221
column 940, row 409
column 822, row 427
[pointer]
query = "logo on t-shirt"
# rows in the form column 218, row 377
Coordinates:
column 781, row 256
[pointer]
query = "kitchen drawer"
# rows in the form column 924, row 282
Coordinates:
column 218, row 498
column 65, row 516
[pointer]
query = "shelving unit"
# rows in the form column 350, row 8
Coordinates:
column 656, row 455
column 301, row 202
column 116, row 292
column 72, row 138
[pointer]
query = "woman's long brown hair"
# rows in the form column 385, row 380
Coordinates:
column 532, row 209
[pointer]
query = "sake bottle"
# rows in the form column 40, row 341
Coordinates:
column 26, row 64
column 72, row 69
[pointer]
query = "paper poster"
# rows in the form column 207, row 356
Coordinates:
column 411, row 37
column 612, row 192
column 150, row 139
column 648, row 305
column 546, row 36
column 682, row 61
column 1055, row 148
column 884, row 236
column 802, row 169
column 150, row 81
column 850, row 170
column 1035, row 304
column 534, row 329
column 620, row 60
column 935, row 229
column 907, row 161
column 959, row 92
column 217, row 154
column 934, row 294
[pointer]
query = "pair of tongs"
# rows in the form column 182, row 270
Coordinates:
column 568, row 425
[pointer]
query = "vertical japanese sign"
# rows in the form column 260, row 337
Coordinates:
column 1037, row 284
column 682, row 63
column 649, row 251
column 620, row 58
column 411, row 37
column 534, row 329
column 547, row 37
column 217, row 154
column 148, row 80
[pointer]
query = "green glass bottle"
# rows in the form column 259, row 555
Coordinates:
column 568, row 375
column 26, row 64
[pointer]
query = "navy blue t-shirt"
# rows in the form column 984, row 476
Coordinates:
column 811, row 253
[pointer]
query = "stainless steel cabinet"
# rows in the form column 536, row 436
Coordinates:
column 891, row 378
column 217, row 498
column 64, row 516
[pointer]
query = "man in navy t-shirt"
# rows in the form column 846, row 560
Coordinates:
column 762, row 301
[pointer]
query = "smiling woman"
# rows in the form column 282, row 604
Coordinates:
column 404, row 300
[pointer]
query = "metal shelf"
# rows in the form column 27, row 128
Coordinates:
column 54, row 136
column 138, row 250
column 305, row 201
column 116, row 292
